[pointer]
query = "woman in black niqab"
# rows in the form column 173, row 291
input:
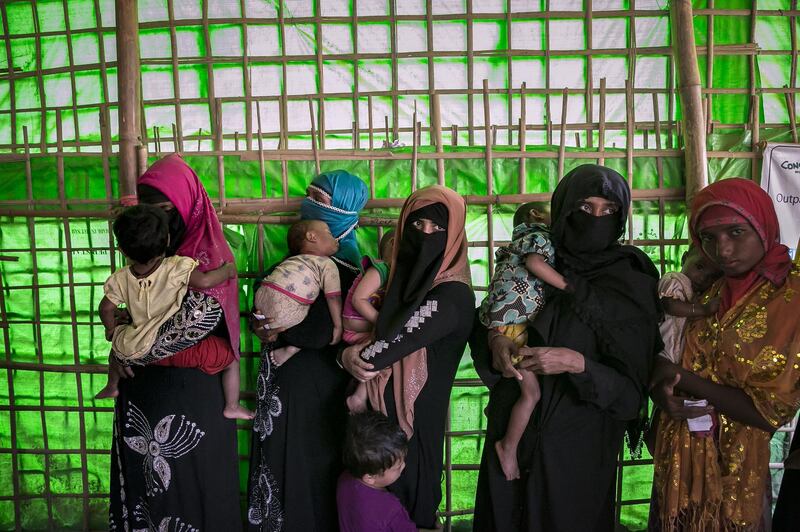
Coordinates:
column 596, row 342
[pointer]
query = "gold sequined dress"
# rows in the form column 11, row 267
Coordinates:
column 719, row 483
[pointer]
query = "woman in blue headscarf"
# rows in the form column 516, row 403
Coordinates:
column 301, row 415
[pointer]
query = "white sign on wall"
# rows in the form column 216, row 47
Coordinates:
column 780, row 177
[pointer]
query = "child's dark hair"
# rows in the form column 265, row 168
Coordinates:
column 372, row 444
column 532, row 212
column 142, row 232
column 297, row 235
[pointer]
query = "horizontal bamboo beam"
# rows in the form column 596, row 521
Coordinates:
column 262, row 208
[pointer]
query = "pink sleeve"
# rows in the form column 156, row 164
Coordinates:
column 674, row 286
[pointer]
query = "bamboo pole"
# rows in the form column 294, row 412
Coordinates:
column 414, row 148
column 487, row 120
column 562, row 147
column 522, row 137
column 275, row 205
column 696, row 159
column 601, row 136
column 129, row 91
column 313, row 135
column 436, row 122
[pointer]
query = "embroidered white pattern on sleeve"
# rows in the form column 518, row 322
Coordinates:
column 416, row 320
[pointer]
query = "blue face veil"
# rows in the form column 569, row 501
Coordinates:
column 348, row 196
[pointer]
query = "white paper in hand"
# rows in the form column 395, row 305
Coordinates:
column 702, row 423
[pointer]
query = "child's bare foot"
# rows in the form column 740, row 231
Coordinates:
column 109, row 392
column 237, row 411
column 356, row 404
column 282, row 354
column 508, row 460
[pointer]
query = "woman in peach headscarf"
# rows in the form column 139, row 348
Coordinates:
column 743, row 361
column 421, row 332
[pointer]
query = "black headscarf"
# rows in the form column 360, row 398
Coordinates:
column 613, row 286
column 419, row 257
column 177, row 227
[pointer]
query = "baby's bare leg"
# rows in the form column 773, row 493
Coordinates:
column 520, row 416
column 110, row 390
column 230, row 388
column 282, row 354
column 357, row 402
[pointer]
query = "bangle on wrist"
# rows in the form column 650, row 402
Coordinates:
column 339, row 359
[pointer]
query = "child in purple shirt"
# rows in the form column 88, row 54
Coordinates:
column 374, row 456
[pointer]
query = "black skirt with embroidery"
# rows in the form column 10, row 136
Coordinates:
column 174, row 462
column 299, row 428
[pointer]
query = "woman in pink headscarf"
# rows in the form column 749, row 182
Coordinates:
column 174, row 456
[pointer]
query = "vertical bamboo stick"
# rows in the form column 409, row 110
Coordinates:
column 754, row 97
column 470, row 76
column 371, row 147
column 313, row 135
column 659, row 162
column 793, row 37
column 792, row 120
column 685, row 54
column 414, row 153
column 601, row 135
column 562, row 133
column 28, row 172
column 12, row 411
column 157, row 140
column 487, row 121
column 589, row 74
column 630, row 122
column 260, row 140
column 62, row 196
column 176, row 79
column 755, row 116
column 522, row 137
column 37, row 331
column 73, row 311
column 436, row 122
column 129, row 93
column 709, row 64
column 670, row 100
column 177, row 144
column 262, row 175
column 218, row 136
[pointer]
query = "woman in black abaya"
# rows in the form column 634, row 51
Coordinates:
column 421, row 333
column 595, row 344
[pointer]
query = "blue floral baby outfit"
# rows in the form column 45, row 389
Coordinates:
column 515, row 294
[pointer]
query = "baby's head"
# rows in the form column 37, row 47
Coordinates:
column 533, row 212
column 385, row 246
column 374, row 449
column 311, row 237
column 700, row 270
column 142, row 233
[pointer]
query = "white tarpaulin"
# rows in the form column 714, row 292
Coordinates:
column 780, row 177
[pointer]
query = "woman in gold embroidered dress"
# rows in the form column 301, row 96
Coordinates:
column 744, row 360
